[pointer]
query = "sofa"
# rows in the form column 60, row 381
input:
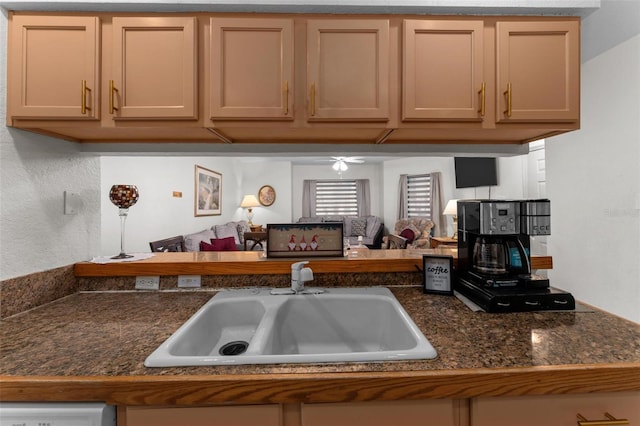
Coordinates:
column 417, row 232
column 218, row 233
column 370, row 228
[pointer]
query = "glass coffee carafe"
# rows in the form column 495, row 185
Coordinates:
column 490, row 256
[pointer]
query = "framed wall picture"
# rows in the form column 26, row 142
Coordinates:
column 438, row 274
column 267, row 195
column 208, row 193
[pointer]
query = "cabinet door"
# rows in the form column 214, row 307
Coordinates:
column 348, row 70
column 436, row 412
column 251, row 68
column 443, row 71
column 556, row 410
column 53, row 67
column 154, row 68
column 240, row 415
column 538, row 71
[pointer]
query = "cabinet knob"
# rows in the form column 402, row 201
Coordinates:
column 610, row 421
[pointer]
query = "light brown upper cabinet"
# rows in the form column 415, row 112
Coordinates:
column 443, row 71
column 53, row 67
column 348, row 69
column 154, row 68
column 251, row 68
column 538, row 71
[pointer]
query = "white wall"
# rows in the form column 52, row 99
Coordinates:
column 510, row 182
column 593, row 178
column 257, row 172
column 158, row 214
column 35, row 233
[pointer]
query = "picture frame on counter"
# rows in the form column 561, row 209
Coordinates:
column 305, row 240
column 437, row 274
column 208, row 192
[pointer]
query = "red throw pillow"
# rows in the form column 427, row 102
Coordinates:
column 408, row 234
column 219, row 244
column 224, row 244
column 204, row 246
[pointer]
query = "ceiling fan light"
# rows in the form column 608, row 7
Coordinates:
column 343, row 166
column 336, row 166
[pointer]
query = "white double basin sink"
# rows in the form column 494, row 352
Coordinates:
column 253, row 326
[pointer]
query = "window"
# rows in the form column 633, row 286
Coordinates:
column 418, row 196
column 336, row 197
column 341, row 197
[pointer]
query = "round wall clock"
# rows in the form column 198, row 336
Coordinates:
column 267, row 195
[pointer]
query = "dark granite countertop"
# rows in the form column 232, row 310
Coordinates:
column 108, row 335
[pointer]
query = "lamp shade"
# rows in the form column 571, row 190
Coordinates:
column 249, row 201
column 451, row 208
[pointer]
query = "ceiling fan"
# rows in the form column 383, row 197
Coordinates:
column 340, row 163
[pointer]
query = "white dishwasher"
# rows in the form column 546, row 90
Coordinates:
column 57, row 414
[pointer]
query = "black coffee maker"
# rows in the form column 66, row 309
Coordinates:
column 494, row 256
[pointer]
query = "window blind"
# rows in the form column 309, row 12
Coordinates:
column 418, row 196
column 336, row 197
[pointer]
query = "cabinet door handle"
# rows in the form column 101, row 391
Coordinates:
column 313, row 99
column 508, row 95
column 286, row 97
column 482, row 99
column 611, row 421
column 83, row 98
column 112, row 90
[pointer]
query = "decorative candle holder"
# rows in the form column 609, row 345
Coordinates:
column 123, row 197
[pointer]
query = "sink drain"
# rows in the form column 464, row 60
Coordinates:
column 234, row 348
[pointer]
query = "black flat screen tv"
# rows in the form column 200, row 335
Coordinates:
column 472, row 172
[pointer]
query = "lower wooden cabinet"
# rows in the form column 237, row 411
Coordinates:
column 547, row 410
column 436, row 412
column 233, row 415
column 555, row 410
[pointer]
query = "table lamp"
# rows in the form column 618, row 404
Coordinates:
column 249, row 202
column 451, row 209
column 123, row 196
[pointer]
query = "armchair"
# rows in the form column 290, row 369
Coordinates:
column 416, row 230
